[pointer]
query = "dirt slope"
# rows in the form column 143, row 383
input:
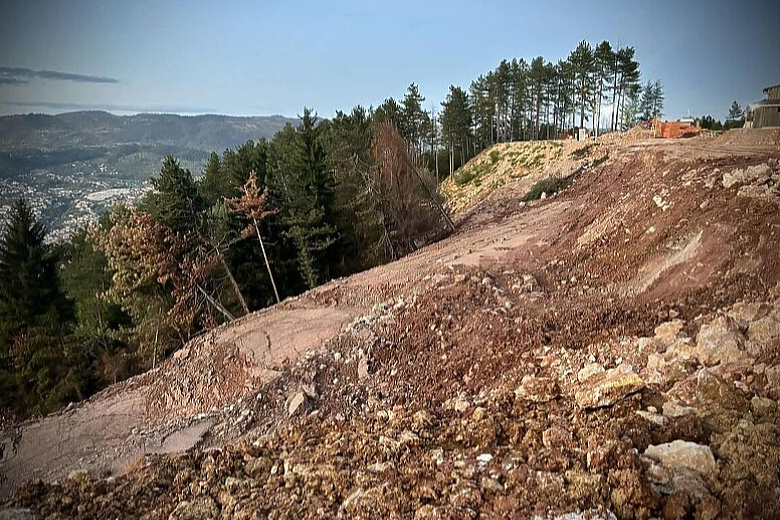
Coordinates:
column 587, row 352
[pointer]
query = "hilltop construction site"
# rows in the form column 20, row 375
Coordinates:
column 603, row 345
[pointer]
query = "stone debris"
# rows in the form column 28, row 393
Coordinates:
column 519, row 371
column 757, row 174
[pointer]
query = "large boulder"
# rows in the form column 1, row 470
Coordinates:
column 720, row 341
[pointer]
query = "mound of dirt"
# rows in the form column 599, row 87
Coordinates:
column 612, row 351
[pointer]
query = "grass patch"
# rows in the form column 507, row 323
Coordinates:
column 465, row 177
column 495, row 155
column 549, row 186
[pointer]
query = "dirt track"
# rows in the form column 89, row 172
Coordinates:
column 649, row 233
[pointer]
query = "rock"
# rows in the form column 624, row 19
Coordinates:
column 537, row 389
column 764, row 408
column 704, row 388
column 296, row 403
column 589, row 370
column 422, row 419
column 78, row 475
column 592, row 514
column 684, row 454
column 674, row 410
column 461, row 404
column 196, row 509
column 491, row 484
column 720, row 341
column 757, row 174
column 745, row 313
column 669, row 330
column 675, row 364
column 258, row 467
column 764, row 336
column 653, row 417
column 583, row 484
column 678, row 479
column 609, row 387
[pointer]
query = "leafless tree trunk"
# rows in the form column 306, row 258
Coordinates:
column 265, row 257
column 233, row 282
column 216, row 304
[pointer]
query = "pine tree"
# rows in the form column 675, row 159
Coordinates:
column 735, row 112
column 584, row 64
column 35, row 321
column 175, row 201
column 605, row 58
column 415, row 120
column 29, row 282
column 307, row 208
column 456, row 123
column 214, row 185
column 658, row 99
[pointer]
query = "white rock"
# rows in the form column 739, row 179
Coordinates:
column 690, row 455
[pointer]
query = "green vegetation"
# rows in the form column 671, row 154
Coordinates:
column 548, row 186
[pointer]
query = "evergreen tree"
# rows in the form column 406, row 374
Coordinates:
column 35, row 318
column 415, row 121
column 605, row 58
column 456, row 121
column 175, row 201
column 308, row 207
column 584, row 64
column 735, row 112
column 658, row 98
column 29, row 282
column 214, row 185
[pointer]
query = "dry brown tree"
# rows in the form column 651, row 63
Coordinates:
column 251, row 206
column 157, row 278
column 411, row 211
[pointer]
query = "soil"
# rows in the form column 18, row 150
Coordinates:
column 449, row 384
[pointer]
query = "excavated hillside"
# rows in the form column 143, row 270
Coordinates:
column 612, row 351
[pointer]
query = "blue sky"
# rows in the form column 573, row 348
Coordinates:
column 274, row 57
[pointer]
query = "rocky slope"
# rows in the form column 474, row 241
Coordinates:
column 609, row 352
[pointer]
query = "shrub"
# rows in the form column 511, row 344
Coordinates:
column 549, row 186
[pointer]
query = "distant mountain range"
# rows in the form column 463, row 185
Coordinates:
column 34, row 141
column 74, row 166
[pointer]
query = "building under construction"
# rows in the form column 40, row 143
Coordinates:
column 765, row 113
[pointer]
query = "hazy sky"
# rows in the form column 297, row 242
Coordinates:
column 274, row 57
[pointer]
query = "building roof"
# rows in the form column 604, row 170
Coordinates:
column 766, row 90
column 765, row 103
